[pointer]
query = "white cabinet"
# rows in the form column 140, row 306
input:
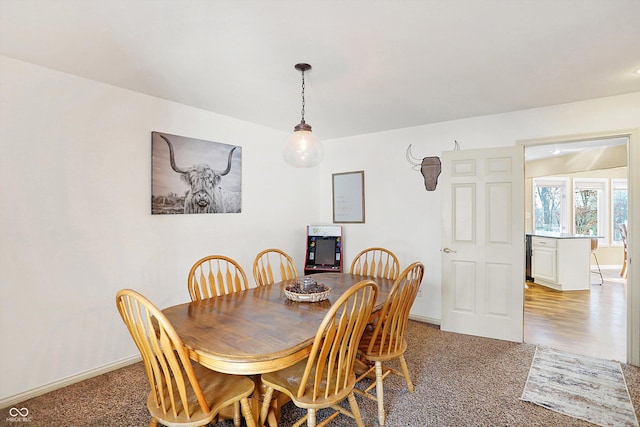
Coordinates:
column 561, row 263
column 545, row 259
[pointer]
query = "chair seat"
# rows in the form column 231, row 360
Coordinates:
column 375, row 354
column 221, row 390
column 288, row 381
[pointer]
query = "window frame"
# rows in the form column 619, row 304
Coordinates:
column 601, row 185
column 552, row 181
column 616, row 184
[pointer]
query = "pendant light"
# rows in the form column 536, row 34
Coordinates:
column 303, row 149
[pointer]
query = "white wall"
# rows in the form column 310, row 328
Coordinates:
column 403, row 216
column 75, row 223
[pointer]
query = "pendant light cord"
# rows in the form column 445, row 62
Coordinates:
column 302, row 111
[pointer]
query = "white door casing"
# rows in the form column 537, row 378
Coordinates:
column 483, row 242
column 633, row 225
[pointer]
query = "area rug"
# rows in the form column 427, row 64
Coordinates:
column 582, row 387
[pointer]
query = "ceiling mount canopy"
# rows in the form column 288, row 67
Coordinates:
column 303, row 149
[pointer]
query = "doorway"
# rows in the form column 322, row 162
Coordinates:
column 576, row 320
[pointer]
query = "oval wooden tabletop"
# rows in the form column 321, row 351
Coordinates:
column 258, row 330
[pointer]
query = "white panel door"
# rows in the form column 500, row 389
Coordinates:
column 483, row 242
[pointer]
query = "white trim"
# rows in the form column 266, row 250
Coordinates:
column 38, row 391
column 633, row 223
column 633, row 245
column 424, row 319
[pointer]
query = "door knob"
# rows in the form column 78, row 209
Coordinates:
column 448, row 251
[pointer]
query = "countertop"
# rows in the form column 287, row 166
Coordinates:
column 562, row 235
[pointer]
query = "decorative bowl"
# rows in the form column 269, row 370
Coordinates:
column 307, row 290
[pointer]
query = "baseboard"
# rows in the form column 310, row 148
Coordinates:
column 21, row 397
column 30, row 394
column 424, row 319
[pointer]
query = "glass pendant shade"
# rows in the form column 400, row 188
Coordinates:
column 303, row 149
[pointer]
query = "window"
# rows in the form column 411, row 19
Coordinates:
column 590, row 212
column 619, row 195
column 590, row 208
column 550, row 212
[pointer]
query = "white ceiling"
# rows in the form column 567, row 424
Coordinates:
column 377, row 65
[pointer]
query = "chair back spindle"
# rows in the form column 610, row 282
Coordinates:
column 376, row 262
column 166, row 361
column 270, row 260
column 329, row 370
column 386, row 340
column 388, row 336
column 215, row 275
column 182, row 393
column 327, row 376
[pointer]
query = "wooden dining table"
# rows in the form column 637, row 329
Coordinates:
column 259, row 330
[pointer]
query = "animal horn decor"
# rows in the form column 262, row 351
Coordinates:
column 205, row 194
column 429, row 166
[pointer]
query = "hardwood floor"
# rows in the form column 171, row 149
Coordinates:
column 592, row 323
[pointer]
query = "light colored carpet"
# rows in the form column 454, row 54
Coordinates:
column 460, row 380
column 579, row 386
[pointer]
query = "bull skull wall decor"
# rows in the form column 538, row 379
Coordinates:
column 429, row 166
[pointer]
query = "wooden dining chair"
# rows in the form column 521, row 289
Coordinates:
column 327, row 377
column 182, row 393
column 273, row 265
column 215, row 275
column 623, row 234
column 376, row 262
column 385, row 340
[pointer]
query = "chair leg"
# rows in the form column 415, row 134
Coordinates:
column 380, row 393
column 266, row 403
column 355, row 410
column 237, row 419
column 599, row 271
column 246, row 412
column 271, row 420
column 311, row 419
column 405, row 371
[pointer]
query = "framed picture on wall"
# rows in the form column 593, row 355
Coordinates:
column 192, row 176
column 348, row 197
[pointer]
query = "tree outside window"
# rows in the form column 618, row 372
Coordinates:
column 549, row 208
column 590, row 208
column 586, row 212
column 594, row 213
